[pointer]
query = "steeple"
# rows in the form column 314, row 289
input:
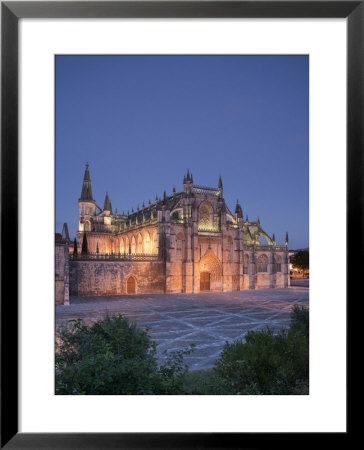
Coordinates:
column 86, row 194
column 220, row 187
column 287, row 238
column 65, row 234
column 107, row 203
column 238, row 210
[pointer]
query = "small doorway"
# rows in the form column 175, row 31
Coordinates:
column 131, row 285
column 204, row 281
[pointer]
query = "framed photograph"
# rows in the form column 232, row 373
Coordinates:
column 101, row 95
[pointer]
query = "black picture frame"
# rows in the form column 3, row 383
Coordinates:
column 11, row 12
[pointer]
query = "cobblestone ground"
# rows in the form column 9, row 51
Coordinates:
column 207, row 320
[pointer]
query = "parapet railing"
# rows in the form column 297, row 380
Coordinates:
column 115, row 257
column 265, row 247
column 209, row 230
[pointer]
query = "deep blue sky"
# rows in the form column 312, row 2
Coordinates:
column 141, row 121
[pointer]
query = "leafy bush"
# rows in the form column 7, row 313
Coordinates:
column 206, row 382
column 300, row 319
column 113, row 357
column 266, row 363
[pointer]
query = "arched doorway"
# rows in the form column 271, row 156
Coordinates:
column 210, row 273
column 131, row 285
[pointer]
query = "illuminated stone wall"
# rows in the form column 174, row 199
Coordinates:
column 110, row 277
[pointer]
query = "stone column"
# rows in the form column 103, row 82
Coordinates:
column 252, row 270
column 271, row 270
column 285, row 270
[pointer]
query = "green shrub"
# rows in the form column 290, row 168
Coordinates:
column 113, row 357
column 300, row 319
column 206, row 382
column 266, row 363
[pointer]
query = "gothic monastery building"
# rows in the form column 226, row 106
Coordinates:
column 189, row 241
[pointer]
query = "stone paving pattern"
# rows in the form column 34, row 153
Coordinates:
column 207, row 319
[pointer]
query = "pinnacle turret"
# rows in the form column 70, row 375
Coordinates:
column 107, row 203
column 86, row 194
column 238, row 210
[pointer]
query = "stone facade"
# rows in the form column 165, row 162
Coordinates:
column 188, row 241
column 104, row 277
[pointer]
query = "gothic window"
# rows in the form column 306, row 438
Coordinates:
column 147, row 246
column 246, row 264
column 180, row 244
column 205, row 219
column 122, row 246
column 229, row 249
column 262, row 263
column 87, row 226
column 133, row 246
column 154, row 243
column 278, row 263
column 140, row 244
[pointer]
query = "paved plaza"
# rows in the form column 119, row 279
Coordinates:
column 207, row 320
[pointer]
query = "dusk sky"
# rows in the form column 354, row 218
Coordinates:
column 142, row 121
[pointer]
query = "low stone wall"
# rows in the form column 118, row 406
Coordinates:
column 61, row 274
column 110, row 278
column 59, row 292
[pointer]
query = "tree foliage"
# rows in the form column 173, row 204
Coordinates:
column 84, row 249
column 300, row 260
column 113, row 357
column 300, row 319
column 269, row 362
column 74, row 246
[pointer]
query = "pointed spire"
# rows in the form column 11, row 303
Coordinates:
column 84, row 249
column 149, row 202
column 258, row 221
column 65, row 234
column 287, row 238
column 75, row 247
column 86, row 193
column 164, row 196
column 274, row 239
column 191, row 178
column 220, row 183
column 188, row 175
column 107, row 203
column 238, row 210
column 174, row 189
